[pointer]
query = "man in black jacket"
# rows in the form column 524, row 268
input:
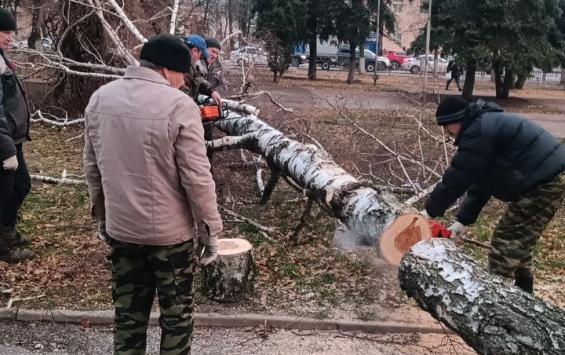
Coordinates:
column 504, row 156
column 455, row 69
column 15, row 181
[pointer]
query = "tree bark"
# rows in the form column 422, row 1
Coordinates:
column 521, row 81
column 362, row 59
column 351, row 73
column 312, row 23
column 498, row 70
column 230, row 277
column 492, row 316
column 562, row 74
column 366, row 211
column 469, row 85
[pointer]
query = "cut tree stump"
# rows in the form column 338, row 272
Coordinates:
column 491, row 315
column 230, row 277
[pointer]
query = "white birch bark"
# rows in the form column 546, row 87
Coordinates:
column 173, row 23
column 491, row 315
column 125, row 19
column 366, row 211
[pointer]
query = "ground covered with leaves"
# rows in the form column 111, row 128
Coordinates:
column 308, row 275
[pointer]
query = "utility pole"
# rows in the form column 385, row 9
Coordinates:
column 377, row 34
column 428, row 30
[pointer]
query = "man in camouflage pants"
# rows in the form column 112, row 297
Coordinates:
column 149, row 179
column 508, row 157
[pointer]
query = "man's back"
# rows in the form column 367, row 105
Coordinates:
column 147, row 142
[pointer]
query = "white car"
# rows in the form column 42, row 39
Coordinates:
column 248, row 55
column 415, row 65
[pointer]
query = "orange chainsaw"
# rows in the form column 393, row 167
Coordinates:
column 409, row 229
column 210, row 112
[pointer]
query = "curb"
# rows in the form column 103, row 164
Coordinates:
column 214, row 320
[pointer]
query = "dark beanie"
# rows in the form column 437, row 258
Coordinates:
column 452, row 109
column 7, row 21
column 167, row 51
column 213, row 43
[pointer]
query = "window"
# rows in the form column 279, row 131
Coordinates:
column 397, row 6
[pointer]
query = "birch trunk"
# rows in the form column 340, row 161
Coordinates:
column 492, row 316
column 364, row 210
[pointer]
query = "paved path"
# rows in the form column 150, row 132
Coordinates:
column 46, row 338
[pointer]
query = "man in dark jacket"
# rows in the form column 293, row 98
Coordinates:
column 455, row 69
column 195, row 82
column 504, row 156
column 215, row 71
column 15, row 182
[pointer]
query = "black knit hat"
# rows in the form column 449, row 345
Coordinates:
column 7, row 21
column 213, row 43
column 168, row 52
column 452, row 109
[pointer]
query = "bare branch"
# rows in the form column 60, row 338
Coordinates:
column 125, row 19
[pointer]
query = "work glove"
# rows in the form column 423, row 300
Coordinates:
column 11, row 163
column 457, row 230
column 208, row 250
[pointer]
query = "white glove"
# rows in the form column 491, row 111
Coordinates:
column 216, row 97
column 208, row 252
column 457, row 230
column 11, row 163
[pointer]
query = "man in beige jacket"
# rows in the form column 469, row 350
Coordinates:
column 149, row 177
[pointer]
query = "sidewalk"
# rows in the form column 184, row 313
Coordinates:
column 46, row 338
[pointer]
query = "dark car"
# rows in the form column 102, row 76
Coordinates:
column 343, row 59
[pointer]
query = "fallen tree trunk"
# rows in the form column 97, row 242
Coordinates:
column 364, row 210
column 492, row 316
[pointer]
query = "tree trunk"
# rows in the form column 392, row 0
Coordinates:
column 364, row 210
column 508, row 83
column 492, row 316
column 36, row 23
column 498, row 72
column 230, row 277
column 351, row 74
column 312, row 23
column 521, row 81
column 230, row 23
column 562, row 74
column 469, row 85
column 362, row 59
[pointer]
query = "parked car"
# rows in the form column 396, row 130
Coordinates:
column 248, row 55
column 415, row 65
column 343, row 59
column 397, row 58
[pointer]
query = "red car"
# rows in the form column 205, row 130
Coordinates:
column 397, row 58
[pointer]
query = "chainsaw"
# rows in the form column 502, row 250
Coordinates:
column 211, row 112
column 409, row 229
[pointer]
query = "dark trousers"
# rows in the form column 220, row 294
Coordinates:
column 453, row 78
column 138, row 271
column 208, row 136
column 14, row 187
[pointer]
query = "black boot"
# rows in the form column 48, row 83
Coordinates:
column 15, row 238
column 9, row 252
column 524, row 279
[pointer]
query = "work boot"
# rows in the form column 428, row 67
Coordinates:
column 9, row 252
column 14, row 255
column 14, row 238
column 524, row 279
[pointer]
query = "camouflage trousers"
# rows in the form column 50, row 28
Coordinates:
column 138, row 271
column 518, row 230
